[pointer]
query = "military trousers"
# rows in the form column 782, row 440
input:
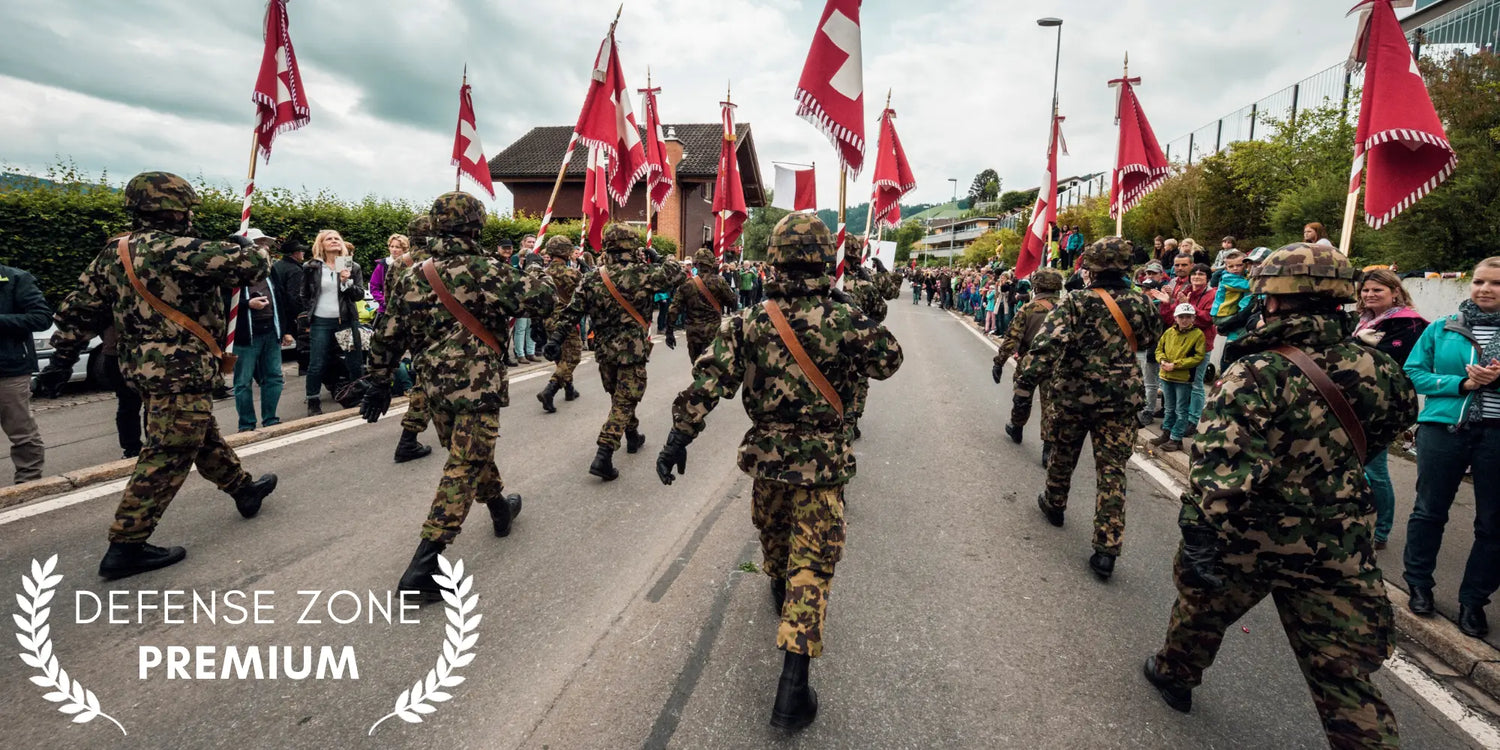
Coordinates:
column 1021, row 406
column 1339, row 632
column 699, row 339
column 415, row 419
column 470, row 473
column 801, row 541
column 180, row 433
column 572, row 353
column 1113, row 442
column 856, row 408
column 626, row 385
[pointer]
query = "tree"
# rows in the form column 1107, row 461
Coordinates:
column 905, row 236
column 985, row 188
column 756, row 236
column 1017, row 199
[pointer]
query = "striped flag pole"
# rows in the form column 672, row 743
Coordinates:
column 541, row 234
column 234, row 300
column 838, row 242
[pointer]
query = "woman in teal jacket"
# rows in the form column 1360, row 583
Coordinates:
column 1456, row 365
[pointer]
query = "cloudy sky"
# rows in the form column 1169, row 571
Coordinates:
column 127, row 85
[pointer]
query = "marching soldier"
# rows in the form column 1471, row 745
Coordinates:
column 867, row 290
column 1087, row 349
column 445, row 312
column 1046, row 283
column 414, row 422
column 614, row 297
column 564, row 279
column 1256, row 524
column 163, row 291
column 701, row 301
column 798, row 357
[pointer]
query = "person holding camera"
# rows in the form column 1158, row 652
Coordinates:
column 331, row 283
column 258, row 339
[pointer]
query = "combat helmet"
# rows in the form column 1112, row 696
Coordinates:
column 457, row 214
column 1108, row 254
column 1302, row 268
column 621, row 240
column 705, row 257
column 1046, row 281
column 419, row 228
column 559, row 246
column 157, row 192
column 800, row 238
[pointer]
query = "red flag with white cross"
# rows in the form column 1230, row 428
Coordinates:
column 280, row 101
column 729, row 191
column 468, row 152
column 893, row 175
column 608, row 122
column 831, row 92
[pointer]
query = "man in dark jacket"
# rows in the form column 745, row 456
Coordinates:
column 286, row 274
column 23, row 311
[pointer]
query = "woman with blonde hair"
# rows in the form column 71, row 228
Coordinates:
column 398, row 245
column 332, row 283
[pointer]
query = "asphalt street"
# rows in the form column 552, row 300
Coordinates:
column 627, row 614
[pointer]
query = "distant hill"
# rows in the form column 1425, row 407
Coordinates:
column 11, row 181
column 855, row 216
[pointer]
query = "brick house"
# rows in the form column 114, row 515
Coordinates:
column 528, row 168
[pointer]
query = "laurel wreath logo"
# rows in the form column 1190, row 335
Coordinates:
column 412, row 704
column 35, row 636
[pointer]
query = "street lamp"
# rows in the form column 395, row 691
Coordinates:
column 1050, row 22
column 952, row 228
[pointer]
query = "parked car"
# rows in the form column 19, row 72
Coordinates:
column 89, row 368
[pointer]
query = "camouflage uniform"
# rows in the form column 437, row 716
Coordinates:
column 463, row 378
column 1017, row 340
column 621, row 345
column 419, row 233
column 171, row 369
column 868, row 292
column 797, row 448
column 700, row 318
column 1095, row 387
column 1298, row 530
column 564, row 279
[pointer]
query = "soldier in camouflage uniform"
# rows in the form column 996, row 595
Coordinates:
column 1046, row 283
column 414, row 422
column 564, row 279
column 867, row 289
column 462, row 376
column 171, row 368
column 701, row 301
column 622, row 344
column 1256, row 523
column 1095, row 389
column 798, row 448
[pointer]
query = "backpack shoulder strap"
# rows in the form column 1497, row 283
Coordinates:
column 457, row 310
column 620, row 298
column 703, row 290
column 1119, row 316
column 170, row 313
column 789, row 337
column 1331, row 394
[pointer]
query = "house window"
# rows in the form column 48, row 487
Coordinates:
column 708, row 192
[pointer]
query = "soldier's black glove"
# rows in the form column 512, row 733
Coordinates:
column 552, row 351
column 840, row 296
column 671, row 338
column 50, row 381
column 377, row 400
column 997, row 369
column 1200, row 558
column 652, row 256
column 241, row 240
column 538, row 333
column 674, row 453
column 879, row 266
column 862, row 272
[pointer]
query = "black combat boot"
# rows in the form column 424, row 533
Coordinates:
column 503, row 510
column 1421, row 601
column 796, row 701
column 129, row 558
column 633, row 441
column 314, row 407
column 546, row 397
column 418, row 575
column 247, row 499
column 778, row 594
column 1054, row 515
column 1102, row 564
column 408, row 449
column 569, row 392
column 1013, row 431
column 1178, row 696
column 854, row 433
column 604, row 464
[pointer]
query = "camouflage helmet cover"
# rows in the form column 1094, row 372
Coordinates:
column 420, row 227
column 457, row 214
column 1108, row 254
column 559, row 246
column 153, row 192
column 800, row 238
column 1047, row 280
column 619, row 238
column 1302, row 268
column 705, row 257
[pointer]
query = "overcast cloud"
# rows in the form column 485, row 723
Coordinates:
column 128, row 85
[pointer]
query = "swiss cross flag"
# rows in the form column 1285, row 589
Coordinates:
column 1400, row 144
column 893, row 177
column 1034, row 244
column 1141, row 166
column 280, row 102
column 729, row 191
column 831, row 92
column 660, row 176
column 596, row 197
column 468, row 152
column 607, row 121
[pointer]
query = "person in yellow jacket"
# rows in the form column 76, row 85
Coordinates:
column 1179, row 350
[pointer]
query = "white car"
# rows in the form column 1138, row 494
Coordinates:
column 89, row 367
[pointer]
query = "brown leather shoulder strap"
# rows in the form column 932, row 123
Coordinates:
column 1114, row 309
column 703, row 290
column 1047, row 304
column 1331, row 393
column 788, row 337
column 614, row 291
column 456, row 308
column 170, row 313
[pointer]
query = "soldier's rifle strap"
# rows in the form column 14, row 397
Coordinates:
column 1119, row 315
column 789, row 337
column 1331, row 394
column 1048, row 305
column 226, row 361
column 703, row 290
column 457, row 310
column 620, row 298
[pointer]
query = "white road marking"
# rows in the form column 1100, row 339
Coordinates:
column 975, row 331
column 112, row 488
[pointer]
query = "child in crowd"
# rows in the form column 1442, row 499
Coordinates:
column 1234, row 287
column 1180, row 350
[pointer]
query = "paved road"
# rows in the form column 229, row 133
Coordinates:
column 619, row 615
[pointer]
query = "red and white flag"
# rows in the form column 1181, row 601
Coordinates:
column 607, row 121
column 1034, row 244
column 1140, row 165
column 280, row 102
column 893, row 177
column 729, row 192
column 468, row 152
column 1400, row 147
column 831, row 92
column 660, row 176
column 596, row 196
column 796, row 189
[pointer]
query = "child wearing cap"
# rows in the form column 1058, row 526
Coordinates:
column 1181, row 349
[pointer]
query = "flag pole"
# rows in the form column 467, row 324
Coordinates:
column 1119, row 197
column 1351, row 208
column 234, row 301
column 843, row 185
column 649, row 234
column 458, row 170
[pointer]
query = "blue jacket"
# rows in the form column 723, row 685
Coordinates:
column 1436, row 368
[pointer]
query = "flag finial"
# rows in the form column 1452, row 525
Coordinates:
column 1127, row 64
